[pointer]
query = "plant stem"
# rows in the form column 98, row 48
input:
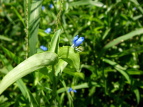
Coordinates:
column 27, row 3
column 54, row 93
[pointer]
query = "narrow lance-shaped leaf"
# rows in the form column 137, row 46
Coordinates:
column 124, row 37
column 119, row 68
column 55, row 42
column 19, row 82
column 33, row 25
column 31, row 64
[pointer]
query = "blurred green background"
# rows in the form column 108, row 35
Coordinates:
column 111, row 58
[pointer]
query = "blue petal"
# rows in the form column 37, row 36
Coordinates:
column 74, row 91
column 134, row 8
column 43, row 7
column 70, row 89
column 51, row 6
column 48, row 30
column 79, row 41
column 43, row 48
column 75, row 39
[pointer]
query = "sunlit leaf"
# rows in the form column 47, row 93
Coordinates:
column 31, row 64
column 69, row 55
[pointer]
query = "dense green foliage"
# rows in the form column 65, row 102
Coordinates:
column 106, row 72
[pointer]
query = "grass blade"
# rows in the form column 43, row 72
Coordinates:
column 124, row 37
column 118, row 68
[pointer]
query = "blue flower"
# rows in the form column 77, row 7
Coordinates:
column 134, row 8
column 77, row 41
column 48, row 30
column 70, row 90
column 74, row 91
column 51, row 6
column 44, row 48
column 43, row 7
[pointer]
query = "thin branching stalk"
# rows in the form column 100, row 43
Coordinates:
column 27, row 26
column 58, row 20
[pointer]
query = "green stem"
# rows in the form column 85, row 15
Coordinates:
column 27, row 3
column 54, row 93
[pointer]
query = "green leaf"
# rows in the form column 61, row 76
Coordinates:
column 31, row 64
column 19, row 16
column 119, row 68
column 5, row 38
column 137, row 5
column 71, row 72
column 69, row 55
column 55, row 42
column 123, row 38
column 19, row 82
column 5, row 1
column 33, row 25
column 137, row 94
column 60, row 66
column 106, row 33
column 11, row 55
column 135, row 72
column 87, row 2
column 135, row 49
